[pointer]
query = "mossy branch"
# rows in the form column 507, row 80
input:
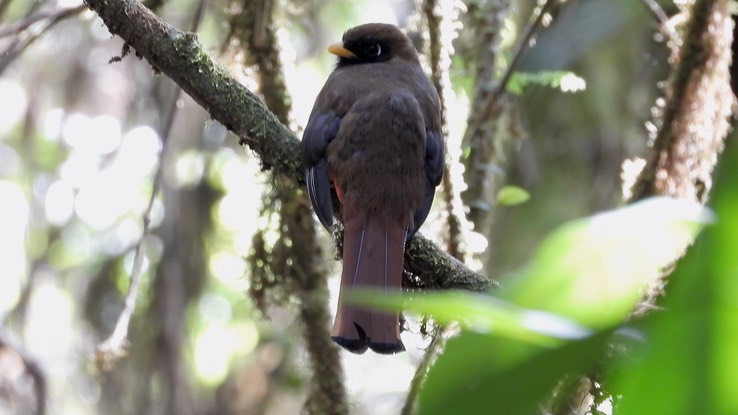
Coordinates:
column 695, row 119
column 305, row 277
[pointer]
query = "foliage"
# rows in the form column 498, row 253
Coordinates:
column 512, row 195
column 689, row 363
column 559, row 315
column 566, row 81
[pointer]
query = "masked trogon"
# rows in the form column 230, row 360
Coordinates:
column 374, row 153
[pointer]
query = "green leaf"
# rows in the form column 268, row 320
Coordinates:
column 691, row 363
column 481, row 313
column 591, row 271
column 564, row 80
column 594, row 270
column 512, row 195
column 480, row 374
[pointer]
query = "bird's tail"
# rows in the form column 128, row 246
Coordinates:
column 373, row 250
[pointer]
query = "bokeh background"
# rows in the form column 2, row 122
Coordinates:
column 81, row 140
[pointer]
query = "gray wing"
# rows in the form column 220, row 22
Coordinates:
column 320, row 131
column 434, row 163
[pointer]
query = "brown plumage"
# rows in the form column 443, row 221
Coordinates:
column 374, row 154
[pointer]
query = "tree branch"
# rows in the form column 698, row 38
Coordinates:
column 664, row 25
column 690, row 138
column 439, row 39
column 51, row 17
column 493, row 124
column 179, row 56
column 305, row 277
column 698, row 105
column 114, row 347
column 29, row 30
column 483, row 23
column 528, row 34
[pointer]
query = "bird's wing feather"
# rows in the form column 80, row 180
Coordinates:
column 434, row 163
column 320, row 131
column 434, row 156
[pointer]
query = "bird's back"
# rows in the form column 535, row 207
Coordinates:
column 380, row 146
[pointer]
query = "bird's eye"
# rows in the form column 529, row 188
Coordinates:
column 373, row 50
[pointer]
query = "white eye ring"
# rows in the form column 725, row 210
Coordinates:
column 379, row 50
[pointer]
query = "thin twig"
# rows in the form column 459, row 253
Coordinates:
column 530, row 30
column 33, row 368
column 486, row 134
column 665, row 26
column 55, row 16
column 27, row 36
column 114, row 347
column 435, row 348
column 657, row 11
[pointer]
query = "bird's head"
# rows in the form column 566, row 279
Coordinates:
column 373, row 43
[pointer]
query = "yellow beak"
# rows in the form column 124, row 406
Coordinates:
column 338, row 50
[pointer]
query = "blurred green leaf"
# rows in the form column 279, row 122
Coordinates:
column 564, row 80
column 512, row 195
column 481, row 313
column 691, row 363
column 480, row 374
column 593, row 270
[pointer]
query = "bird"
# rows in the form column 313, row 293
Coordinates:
column 373, row 151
